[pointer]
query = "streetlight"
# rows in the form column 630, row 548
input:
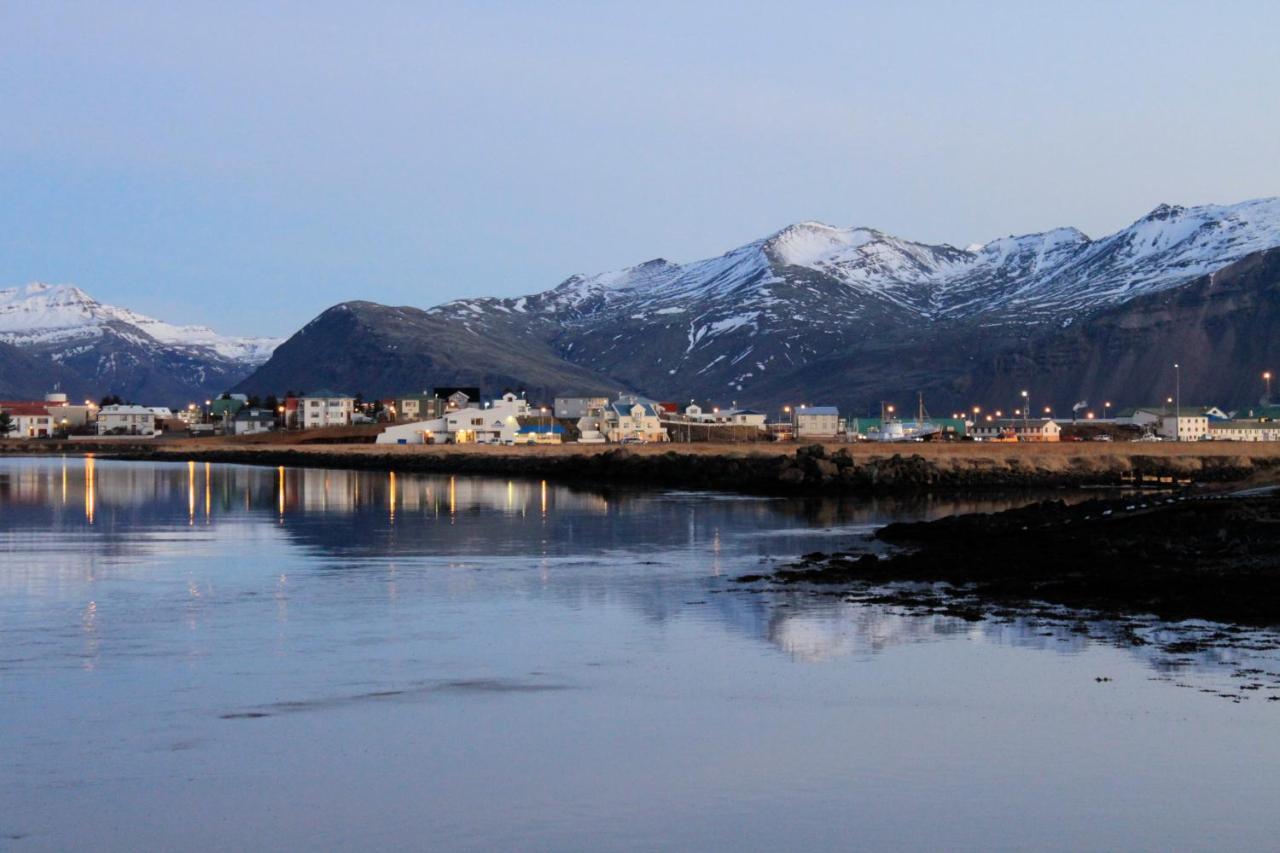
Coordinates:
column 1266, row 377
column 1105, row 409
column 1026, row 404
column 1177, row 405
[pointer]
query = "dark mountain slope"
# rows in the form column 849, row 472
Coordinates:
column 379, row 350
column 29, row 377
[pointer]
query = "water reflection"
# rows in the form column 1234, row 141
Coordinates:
column 389, row 643
column 658, row 552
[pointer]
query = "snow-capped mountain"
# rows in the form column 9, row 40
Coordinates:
column 39, row 313
column 758, row 321
column 117, row 350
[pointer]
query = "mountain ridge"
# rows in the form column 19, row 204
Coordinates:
column 749, row 323
column 105, row 349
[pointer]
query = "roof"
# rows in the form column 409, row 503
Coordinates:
column 24, row 409
column 741, row 412
column 1005, row 423
column 325, row 393
column 552, row 428
column 1244, row 424
column 255, row 415
column 625, row 408
column 125, row 410
column 817, row 410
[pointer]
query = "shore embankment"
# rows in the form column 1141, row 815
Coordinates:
column 1212, row 557
column 758, row 468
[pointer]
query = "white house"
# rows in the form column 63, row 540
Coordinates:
column 816, row 421
column 496, row 422
column 29, row 420
column 742, row 417
column 324, row 409
column 693, row 412
column 126, row 420
column 630, row 419
column 253, row 421
column 589, row 431
column 579, row 407
column 1187, row 425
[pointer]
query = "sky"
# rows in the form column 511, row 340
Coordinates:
column 247, row 165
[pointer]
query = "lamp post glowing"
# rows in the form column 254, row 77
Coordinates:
column 1026, row 404
column 1266, row 377
column 1106, row 407
column 1177, row 402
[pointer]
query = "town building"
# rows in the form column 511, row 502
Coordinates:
column 126, row 420
column 816, row 421
column 28, row 420
column 540, row 433
column 495, row 422
column 252, row 421
column 632, row 419
column 1187, row 424
column 36, row 419
column 323, row 409
column 223, row 409
column 1244, row 430
column 457, row 396
column 579, row 407
column 741, row 417
column 414, row 407
column 589, row 430
column 1017, row 429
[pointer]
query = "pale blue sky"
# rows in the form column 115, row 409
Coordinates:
column 250, row 164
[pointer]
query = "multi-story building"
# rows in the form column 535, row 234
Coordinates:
column 633, row 419
column 579, row 407
column 1184, row 425
column 323, row 409
column 816, row 421
column 126, row 420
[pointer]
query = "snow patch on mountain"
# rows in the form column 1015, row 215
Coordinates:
column 44, row 314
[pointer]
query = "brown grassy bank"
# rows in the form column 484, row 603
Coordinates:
column 757, row 468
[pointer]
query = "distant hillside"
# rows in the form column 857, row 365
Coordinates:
column 842, row 315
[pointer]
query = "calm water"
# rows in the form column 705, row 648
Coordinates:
column 197, row 657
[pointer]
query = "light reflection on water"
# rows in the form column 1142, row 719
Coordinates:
column 221, row 656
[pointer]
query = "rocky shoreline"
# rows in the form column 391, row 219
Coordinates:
column 1175, row 557
column 809, row 470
